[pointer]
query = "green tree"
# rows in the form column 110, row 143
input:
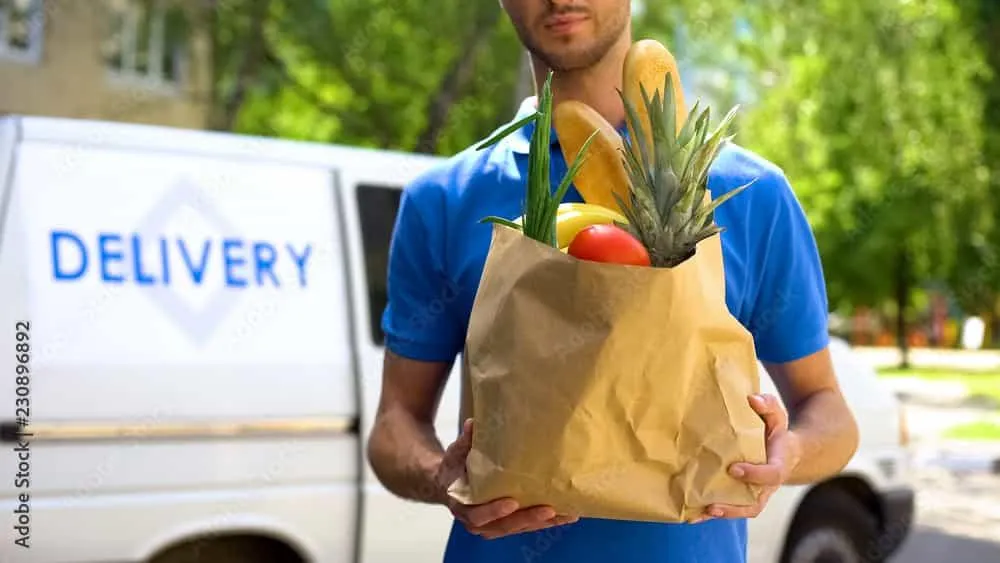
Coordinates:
column 398, row 74
column 976, row 281
column 876, row 116
column 370, row 73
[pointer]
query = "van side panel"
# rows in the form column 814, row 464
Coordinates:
column 392, row 529
column 190, row 363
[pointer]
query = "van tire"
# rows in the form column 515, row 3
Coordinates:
column 235, row 549
column 833, row 523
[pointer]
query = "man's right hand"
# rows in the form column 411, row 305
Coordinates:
column 497, row 518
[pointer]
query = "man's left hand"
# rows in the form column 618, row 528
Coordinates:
column 783, row 453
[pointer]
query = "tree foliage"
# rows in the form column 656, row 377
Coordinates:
column 976, row 280
column 876, row 117
column 400, row 74
column 885, row 115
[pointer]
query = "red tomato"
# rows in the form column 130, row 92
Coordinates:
column 608, row 243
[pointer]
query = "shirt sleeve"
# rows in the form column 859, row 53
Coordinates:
column 418, row 322
column 790, row 316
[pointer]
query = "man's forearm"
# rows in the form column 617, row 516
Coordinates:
column 405, row 453
column 827, row 437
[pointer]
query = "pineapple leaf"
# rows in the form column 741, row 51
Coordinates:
column 635, row 146
column 704, row 121
column 706, row 213
column 630, row 160
column 667, row 203
column 671, row 210
column 625, row 209
column 709, row 232
column 665, row 178
column 695, row 162
column 706, row 156
column 712, row 153
column 684, row 138
column 640, row 183
column 687, row 131
column 728, row 119
column 669, row 116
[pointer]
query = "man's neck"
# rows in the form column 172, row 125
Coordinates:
column 596, row 86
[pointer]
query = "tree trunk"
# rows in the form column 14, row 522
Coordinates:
column 209, row 20
column 253, row 55
column 457, row 78
column 989, row 328
column 992, row 337
column 902, row 306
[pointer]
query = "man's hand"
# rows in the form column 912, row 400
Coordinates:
column 497, row 518
column 783, row 454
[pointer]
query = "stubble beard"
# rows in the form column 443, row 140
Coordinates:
column 575, row 59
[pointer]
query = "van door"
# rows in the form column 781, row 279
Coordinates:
column 393, row 530
column 184, row 300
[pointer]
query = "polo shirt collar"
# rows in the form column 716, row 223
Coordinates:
column 520, row 141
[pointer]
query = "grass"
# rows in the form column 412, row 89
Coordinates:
column 980, row 383
column 981, row 430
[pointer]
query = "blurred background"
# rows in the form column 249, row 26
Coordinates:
column 884, row 115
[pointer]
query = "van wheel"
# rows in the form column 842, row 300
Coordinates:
column 245, row 549
column 833, row 527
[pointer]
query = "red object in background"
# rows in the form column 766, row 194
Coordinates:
column 939, row 315
column 608, row 243
column 862, row 332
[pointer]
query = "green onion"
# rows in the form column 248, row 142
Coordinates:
column 541, row 205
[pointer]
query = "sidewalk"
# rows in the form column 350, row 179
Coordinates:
column 927, row 392
column 930, row 449
column 932, row 357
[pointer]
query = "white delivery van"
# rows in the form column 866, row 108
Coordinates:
column 192, row 360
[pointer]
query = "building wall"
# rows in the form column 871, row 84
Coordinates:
column 70, row 78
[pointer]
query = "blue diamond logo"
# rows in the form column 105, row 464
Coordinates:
column 197, row 323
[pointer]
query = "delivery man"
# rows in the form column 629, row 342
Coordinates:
column 775, row 288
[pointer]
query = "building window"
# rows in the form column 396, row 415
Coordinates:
column 21, row 29
column 377, row 207
column 147, row 41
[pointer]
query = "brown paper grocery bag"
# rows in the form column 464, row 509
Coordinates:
column 607, row 391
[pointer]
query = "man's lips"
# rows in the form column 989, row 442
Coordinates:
column 564, row 22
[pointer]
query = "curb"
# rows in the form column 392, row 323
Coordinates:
column 976, row 402
column 958, row 457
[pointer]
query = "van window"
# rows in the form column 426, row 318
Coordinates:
column 377, row 206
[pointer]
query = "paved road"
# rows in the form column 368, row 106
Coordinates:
column 958, row 495
column 929, row 545
column 958, row 498
column 958, row 519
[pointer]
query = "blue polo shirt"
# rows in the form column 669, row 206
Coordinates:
column 774, row 287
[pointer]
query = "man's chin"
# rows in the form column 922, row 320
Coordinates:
column 570, row 61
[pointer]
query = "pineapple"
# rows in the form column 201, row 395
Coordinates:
column 668, row 206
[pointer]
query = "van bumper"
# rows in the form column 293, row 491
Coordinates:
column 898, row 507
